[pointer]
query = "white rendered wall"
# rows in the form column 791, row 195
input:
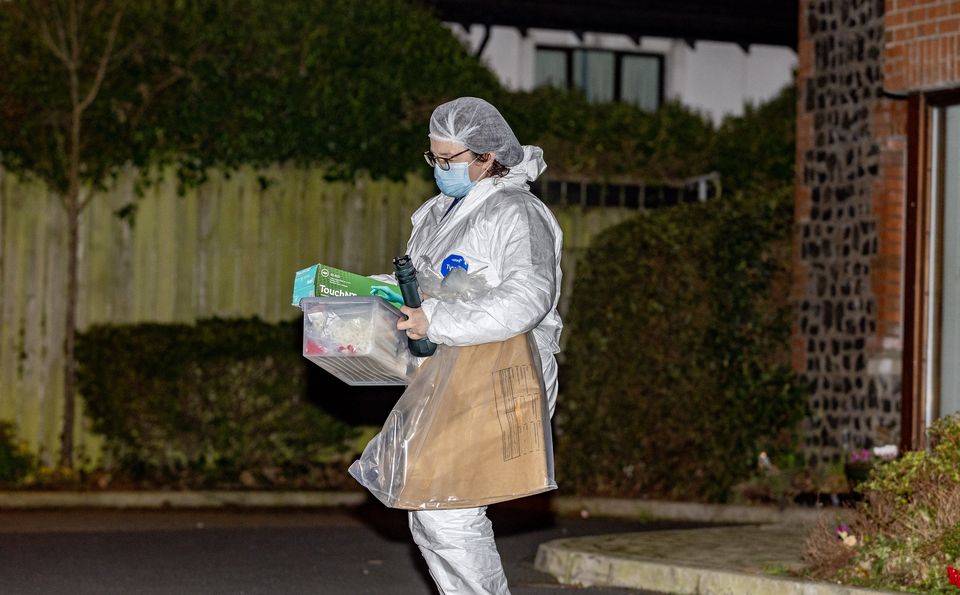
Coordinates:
column 714, row 78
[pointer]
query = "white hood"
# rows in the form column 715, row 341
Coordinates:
column 530, row 167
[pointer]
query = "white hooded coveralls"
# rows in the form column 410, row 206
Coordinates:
column 503, row 232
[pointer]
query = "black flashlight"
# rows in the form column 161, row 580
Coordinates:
column 410, row 289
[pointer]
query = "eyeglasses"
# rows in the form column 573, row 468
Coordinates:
column 444, row 162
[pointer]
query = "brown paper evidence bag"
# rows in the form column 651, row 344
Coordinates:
column 471, row 429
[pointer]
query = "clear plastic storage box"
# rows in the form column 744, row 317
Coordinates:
column 356, row 339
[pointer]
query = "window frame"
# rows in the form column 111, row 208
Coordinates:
column 923, row 258
column 618, row 56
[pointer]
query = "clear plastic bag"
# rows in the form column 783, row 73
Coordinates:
column 456, row 285
column 471, row 429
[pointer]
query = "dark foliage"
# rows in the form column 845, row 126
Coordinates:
column 678, row 368
column 209, row 401
column 16, row 462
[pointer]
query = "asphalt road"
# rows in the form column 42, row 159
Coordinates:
column 348, row 551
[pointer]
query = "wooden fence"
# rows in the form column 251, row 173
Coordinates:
column 228, row 248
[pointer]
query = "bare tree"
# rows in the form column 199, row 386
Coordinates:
column 61, row 27
column 76, row 78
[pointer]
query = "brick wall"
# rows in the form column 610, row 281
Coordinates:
column 922, row 39
column 850, row 178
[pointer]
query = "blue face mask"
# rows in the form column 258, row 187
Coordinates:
column 455, row 181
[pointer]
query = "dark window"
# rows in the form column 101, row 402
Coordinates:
column 551, row 68
column 603, row 75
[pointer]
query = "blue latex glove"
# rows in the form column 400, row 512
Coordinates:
column 388, row 294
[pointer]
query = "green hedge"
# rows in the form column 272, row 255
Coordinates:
column 755, row 152
column 360, row 99
column 206, row 403
column 611, row 140
column 678, row 355
column 347, row 86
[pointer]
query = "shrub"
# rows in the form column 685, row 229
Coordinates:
column 16, row 462
column 611, row 140
column 756, row 151
column 752, row 152
column 678, row 370
column 319, row 99
column 208, row 403
column 907, row 530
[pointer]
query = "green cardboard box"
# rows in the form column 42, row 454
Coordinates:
column 321, row 280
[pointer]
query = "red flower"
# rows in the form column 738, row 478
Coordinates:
column 954, row 575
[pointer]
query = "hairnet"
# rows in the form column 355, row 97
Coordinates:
column 478, row 126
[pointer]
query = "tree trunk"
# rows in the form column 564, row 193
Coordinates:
column 70, row 52
column 73, row 208
column 69, row 341
column 3, row 235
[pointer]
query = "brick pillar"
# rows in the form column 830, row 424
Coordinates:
column 850, row 146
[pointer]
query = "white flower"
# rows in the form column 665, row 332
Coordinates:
column 887, row 451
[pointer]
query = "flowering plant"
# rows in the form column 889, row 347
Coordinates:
column 843, row 532
column 907, row 527
column 860, row 456
column 858, row 466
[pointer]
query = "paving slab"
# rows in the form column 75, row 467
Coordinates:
column 742, row 560
column 634, row 508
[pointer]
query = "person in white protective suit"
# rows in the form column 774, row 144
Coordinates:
column 486, row 221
